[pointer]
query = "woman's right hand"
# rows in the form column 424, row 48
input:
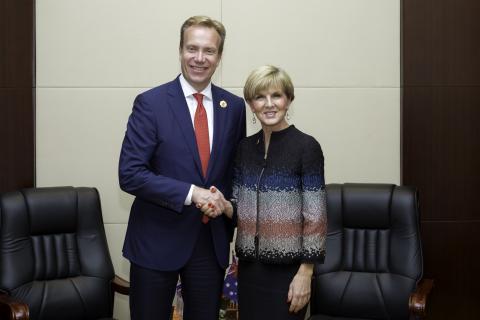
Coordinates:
column 300, row 288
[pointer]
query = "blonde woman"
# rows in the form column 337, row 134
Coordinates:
column 278, row 204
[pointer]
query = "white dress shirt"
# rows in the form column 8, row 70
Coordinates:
column 188, row 91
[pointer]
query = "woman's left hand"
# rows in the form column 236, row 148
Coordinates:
column 300, row 288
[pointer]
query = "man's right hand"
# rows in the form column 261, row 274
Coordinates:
column 211, row 202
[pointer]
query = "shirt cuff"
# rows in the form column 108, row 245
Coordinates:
column 188, row 200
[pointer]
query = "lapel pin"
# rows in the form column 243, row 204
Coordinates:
column 223, row 104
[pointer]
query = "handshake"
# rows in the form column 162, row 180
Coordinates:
column 211, row 202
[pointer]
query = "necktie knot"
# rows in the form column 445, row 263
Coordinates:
column 198, row 97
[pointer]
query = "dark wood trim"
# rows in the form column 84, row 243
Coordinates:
column 17, row 134
column 440, row 144
column 17, row 94
column 17, row 43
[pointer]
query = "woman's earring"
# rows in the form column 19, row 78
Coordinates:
column 254, row 119
column 287, row 116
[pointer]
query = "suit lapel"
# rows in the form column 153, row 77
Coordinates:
column 219, row 121
column 178, row 105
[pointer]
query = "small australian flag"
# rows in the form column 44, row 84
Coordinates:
column 230, row 284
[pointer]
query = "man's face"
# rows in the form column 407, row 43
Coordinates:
column 199, row 55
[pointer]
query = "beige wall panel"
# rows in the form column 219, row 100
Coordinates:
column 358, row 129
column 121, row 309
column 326, row 43
column 111, row 43
column 79, row 134
column 251, row 128
column 115, row 236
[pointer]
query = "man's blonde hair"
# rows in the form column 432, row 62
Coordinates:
column 204, row 21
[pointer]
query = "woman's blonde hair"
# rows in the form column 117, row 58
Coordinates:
column 266, row 77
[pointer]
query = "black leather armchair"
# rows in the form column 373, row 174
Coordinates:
column 54, row 259
column 373, row 266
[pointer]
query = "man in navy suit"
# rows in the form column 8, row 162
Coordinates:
column 163, row 165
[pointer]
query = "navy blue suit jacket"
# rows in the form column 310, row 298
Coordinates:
column 159, row 161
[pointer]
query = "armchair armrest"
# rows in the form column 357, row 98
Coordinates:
column 120, row 285
column 12, row 309
column 418, row 299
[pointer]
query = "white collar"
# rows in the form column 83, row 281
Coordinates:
column 188, row 90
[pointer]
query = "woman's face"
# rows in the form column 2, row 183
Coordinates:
column 270, row 106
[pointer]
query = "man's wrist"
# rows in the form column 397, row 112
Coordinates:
column 188, row 199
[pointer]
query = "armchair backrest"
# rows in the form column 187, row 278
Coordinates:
column 373, row 256
column 54, row 254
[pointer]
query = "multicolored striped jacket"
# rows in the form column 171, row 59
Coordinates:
column 279, row 198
